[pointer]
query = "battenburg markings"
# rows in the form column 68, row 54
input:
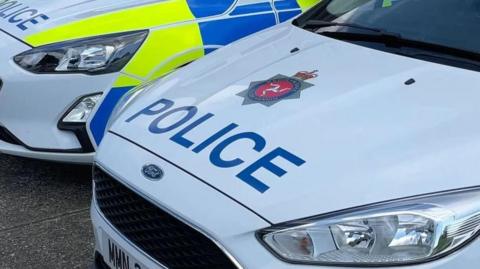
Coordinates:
column 223, row 138
column 19, row 14
column 271, row 91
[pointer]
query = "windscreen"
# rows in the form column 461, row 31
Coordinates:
column 450, row 23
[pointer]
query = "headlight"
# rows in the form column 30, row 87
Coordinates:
column 97, row 55
column 395, row 233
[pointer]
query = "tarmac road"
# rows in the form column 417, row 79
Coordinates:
column 44, row 215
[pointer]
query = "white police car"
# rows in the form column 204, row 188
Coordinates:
column 346, row 139
column 65, row 64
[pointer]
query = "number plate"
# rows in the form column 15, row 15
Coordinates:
column 116, row 257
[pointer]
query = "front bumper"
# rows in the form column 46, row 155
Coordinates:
column 185, row 197
column 31, row 106
column 20, row 151
column 197, row 204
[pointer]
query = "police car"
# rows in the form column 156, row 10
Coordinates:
column 346, row 138
column 65, row 64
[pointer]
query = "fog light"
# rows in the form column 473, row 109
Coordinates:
column 80, row 112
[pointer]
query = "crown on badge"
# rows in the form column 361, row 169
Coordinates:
column 305, row 75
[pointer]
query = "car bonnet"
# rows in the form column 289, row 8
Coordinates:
column 293, row 124
column 42, row 22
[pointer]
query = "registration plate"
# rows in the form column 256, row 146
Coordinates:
column 117, row 258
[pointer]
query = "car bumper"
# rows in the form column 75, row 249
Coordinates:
column 31, row 105
column 19, row 151
column 232, row 225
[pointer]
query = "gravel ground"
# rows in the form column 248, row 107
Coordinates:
column 44, row 215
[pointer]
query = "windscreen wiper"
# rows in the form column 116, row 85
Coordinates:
column 393, row 40
column 375, row 35
column 317, row 24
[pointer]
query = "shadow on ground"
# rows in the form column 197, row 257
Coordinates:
column 44, row 218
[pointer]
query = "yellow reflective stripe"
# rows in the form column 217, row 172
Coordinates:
column 125, row 80
column 306, row 4
column 136, row 18
column 176, row 62
column 161, row 45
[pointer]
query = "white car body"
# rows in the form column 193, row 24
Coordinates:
column 361, row 135
column 32, row 105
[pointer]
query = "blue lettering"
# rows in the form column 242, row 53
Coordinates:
column 162, row 109
column 191, row 111
column 15, row 19
column 32, row 20
column 214, row 138
column 215, row 155
column 20, row 14
column 167, row 104
column 3, row 13
column 180, row 139
column 266, row 163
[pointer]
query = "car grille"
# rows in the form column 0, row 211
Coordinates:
column 162, row 236
column 6, row 136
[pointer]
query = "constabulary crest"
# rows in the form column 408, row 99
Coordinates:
column 280, row 87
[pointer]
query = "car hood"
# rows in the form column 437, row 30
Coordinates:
column 26, row 17
column 371, row 126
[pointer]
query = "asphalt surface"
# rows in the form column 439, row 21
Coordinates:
column 44, row 215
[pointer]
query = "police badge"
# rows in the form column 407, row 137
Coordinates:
column 280, row 87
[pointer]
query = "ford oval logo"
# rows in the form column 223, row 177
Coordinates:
column 152, row 172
